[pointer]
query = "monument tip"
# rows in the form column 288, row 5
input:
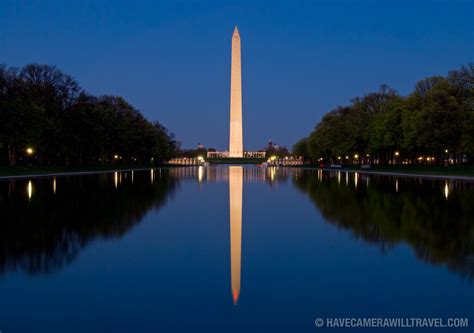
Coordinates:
column 236, row 31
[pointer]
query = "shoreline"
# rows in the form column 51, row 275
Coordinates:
column 71, row 173
column 373, row 172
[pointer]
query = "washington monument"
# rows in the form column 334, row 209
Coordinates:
column 236, row 145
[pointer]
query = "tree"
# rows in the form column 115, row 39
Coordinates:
column 21, row 120
column 432, row 122
column 385, row 130
column 43, row 108
column 436, row 119
column 301, row 148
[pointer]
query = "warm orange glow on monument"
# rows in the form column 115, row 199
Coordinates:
column 236, row 146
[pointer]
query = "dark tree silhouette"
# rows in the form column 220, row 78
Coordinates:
column 47, row 110
column 435, row 120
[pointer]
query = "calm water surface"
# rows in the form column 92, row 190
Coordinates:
column 231, row 249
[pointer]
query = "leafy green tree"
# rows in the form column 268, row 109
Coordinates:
column 436, row 120
column 385, row 131
column 440, row 115
column 301, row 148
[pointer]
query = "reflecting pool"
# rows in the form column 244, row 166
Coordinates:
column 232, row 249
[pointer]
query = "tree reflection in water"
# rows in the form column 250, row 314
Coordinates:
column 434, row 217
column 45, row 222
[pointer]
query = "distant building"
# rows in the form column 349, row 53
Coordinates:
column 272, row 148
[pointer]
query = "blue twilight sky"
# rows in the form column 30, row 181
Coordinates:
column 171, row 59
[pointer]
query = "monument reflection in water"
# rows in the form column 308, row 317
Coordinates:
column 235, row 210
column 158, row 249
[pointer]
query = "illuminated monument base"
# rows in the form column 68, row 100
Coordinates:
column 225, row 154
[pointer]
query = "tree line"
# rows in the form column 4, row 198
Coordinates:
column 46, row 118
column 432, row 125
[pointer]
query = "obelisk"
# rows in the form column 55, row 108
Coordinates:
column 236, row 146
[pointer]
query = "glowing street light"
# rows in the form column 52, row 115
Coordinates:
column 29, row 151
column 397, row 153
column 356, row 156
column 446, row 151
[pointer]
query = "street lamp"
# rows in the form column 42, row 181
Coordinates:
column 29, row 151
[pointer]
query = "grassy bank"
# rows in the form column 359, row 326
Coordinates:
column 42, row 170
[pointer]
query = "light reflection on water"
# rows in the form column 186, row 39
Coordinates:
column 30, row 189
column 235, row 213
column 281, row 225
